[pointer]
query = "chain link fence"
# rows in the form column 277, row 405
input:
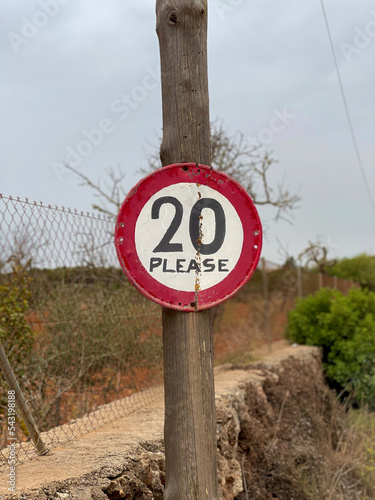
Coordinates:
column 62, row 434
column 80, row 341
column 51, row 236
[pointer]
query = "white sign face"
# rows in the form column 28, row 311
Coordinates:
column 188, row 237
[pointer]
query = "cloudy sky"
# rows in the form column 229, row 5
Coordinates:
column 75, row 71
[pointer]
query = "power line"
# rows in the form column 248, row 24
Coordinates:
column 359, row 159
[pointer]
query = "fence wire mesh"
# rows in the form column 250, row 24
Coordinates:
column 82, row 342
column 76, row 333
column 64, row 433
column 54, row 236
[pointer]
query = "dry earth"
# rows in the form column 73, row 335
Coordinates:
column 278, row 428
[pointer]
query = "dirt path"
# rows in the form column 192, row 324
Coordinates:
column 107, row 446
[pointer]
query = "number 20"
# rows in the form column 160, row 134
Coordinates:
column 165, row 244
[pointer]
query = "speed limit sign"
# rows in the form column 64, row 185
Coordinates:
column 188, row 237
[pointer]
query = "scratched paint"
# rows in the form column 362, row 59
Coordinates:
column 175, row 231
column 187, row 269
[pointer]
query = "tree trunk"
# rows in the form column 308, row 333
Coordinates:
column 190, row 416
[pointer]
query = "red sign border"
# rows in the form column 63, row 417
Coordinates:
column 125, row 240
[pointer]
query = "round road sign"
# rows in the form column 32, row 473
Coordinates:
column 188, row 237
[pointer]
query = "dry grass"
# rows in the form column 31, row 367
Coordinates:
column 299, row 443
column 356, row 449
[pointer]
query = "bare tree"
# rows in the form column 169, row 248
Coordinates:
column 249, row 165
column 316, row 255
column 110, row 192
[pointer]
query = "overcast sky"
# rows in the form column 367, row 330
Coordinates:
column 69, row 67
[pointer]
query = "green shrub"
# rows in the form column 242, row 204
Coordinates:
column 360, row 269
column 344, row 326
column 16, row 335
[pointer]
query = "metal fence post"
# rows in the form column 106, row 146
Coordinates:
column 21, row 403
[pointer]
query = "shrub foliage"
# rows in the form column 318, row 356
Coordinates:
column 344, row 326
column 76, row 338
column 360, row 269
column 16, row 335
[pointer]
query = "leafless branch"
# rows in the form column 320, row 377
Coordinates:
column 112, row 193
column 249, row 165
column 316, row 254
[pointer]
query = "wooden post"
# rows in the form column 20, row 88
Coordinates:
column 320, row 281
column 335, row 282
column 299, row 282
column 190, row 415
column 266, row 305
